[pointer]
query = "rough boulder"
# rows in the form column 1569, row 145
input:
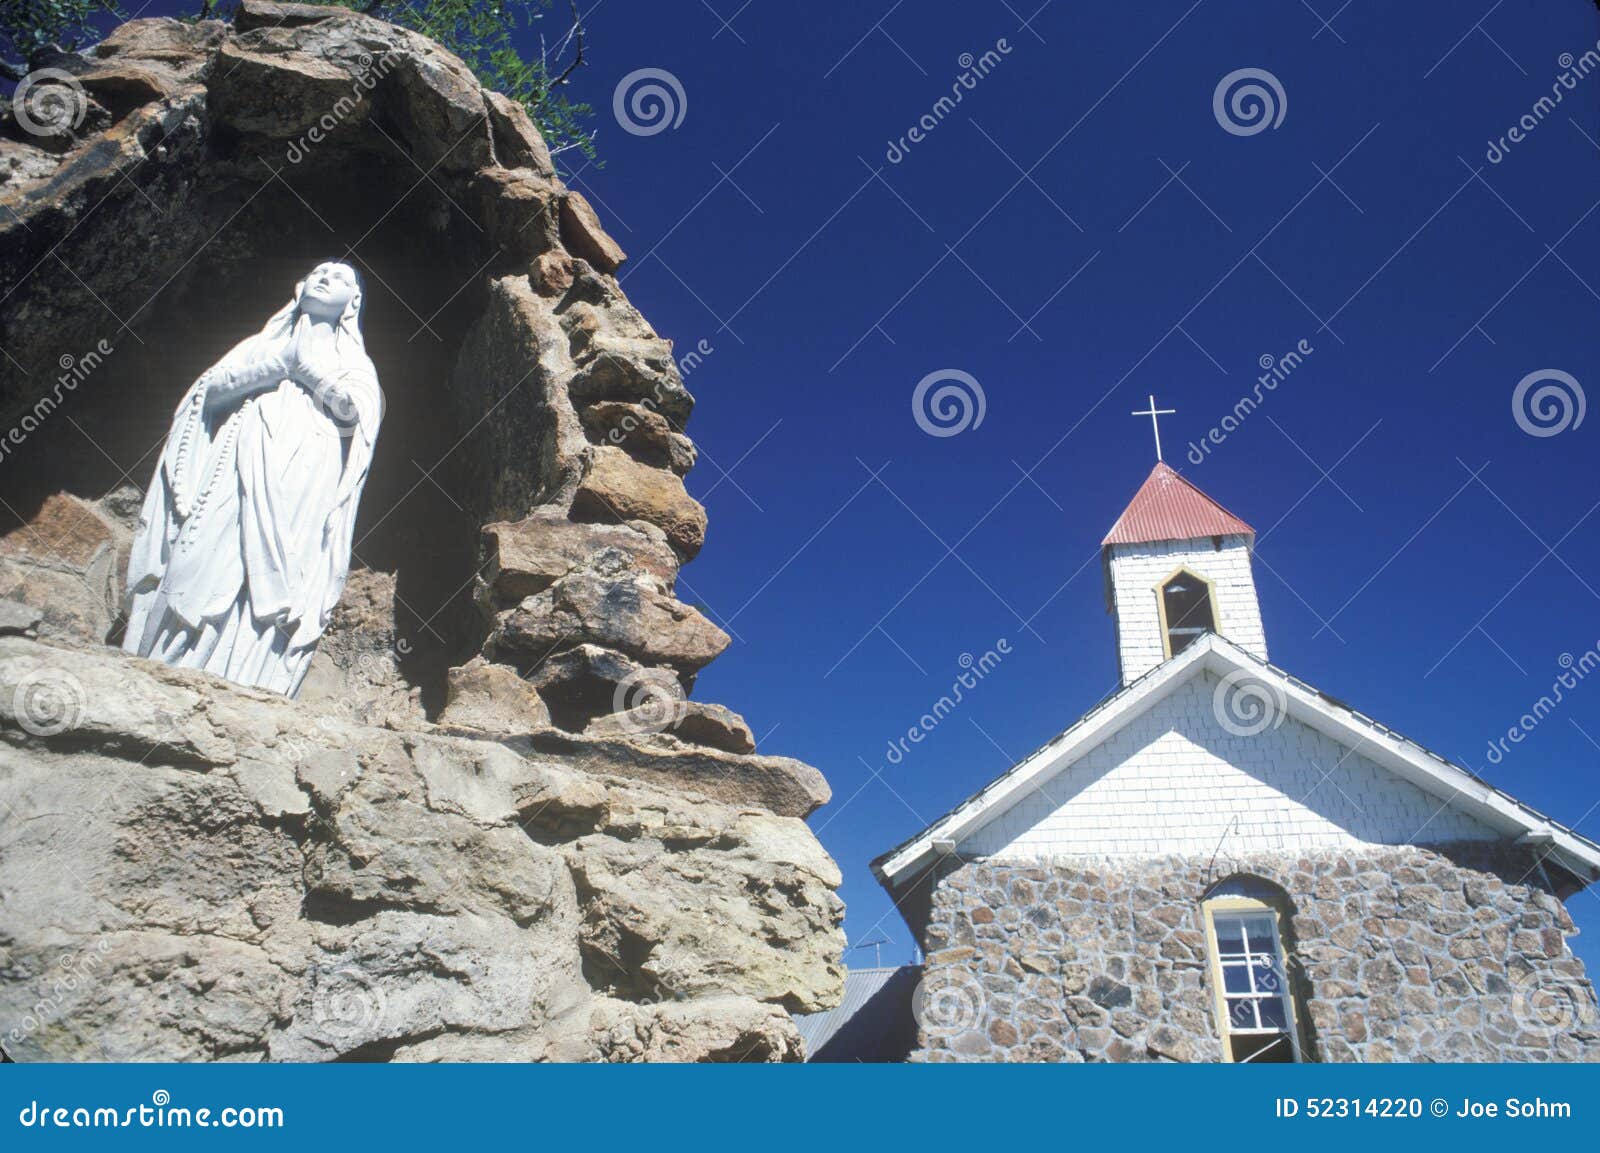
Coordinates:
column 493, row 827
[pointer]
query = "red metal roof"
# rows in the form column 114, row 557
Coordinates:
column 1167, row 507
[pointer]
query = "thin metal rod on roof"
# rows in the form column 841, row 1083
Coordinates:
column 876, row 945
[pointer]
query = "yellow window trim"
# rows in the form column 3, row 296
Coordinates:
column 1219, row 1000
column 1161, row 604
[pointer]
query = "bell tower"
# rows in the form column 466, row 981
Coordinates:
column 1177, row 566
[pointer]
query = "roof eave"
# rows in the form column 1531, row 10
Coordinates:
column 1403, row 757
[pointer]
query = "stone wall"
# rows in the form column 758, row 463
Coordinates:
column 492, row 826
column 526, row 505
column 1451, row 953
column 195, row 871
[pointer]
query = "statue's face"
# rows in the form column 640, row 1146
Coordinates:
column 328, row 290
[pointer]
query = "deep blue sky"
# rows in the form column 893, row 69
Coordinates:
column 829, row 281
column 822, row 290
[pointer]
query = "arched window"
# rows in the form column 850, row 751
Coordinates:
column 1250, row 973
column 1188, row 610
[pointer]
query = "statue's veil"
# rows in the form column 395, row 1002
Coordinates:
column 347, row 338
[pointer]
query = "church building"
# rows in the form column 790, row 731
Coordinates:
column 1219, row 862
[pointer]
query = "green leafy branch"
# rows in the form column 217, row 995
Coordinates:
column 484, row 33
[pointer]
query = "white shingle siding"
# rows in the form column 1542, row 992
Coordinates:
column 1137, row 570
column 1173, row 780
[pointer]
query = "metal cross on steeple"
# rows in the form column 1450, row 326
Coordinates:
column 1153, row 412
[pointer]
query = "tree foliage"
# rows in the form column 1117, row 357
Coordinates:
column 492, row 36
column 30, row 26
column 486, row 34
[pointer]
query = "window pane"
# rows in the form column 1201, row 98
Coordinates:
column 1259, row 930
column 1265, row 972
column 1230, row 936
column 1271, row 1012
column 1242, row 1014
column 1236, row 979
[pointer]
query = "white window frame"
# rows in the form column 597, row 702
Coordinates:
column 1243, row 908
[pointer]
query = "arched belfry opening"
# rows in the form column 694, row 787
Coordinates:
column 1188, row 610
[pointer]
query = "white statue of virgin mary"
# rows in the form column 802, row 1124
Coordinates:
column 244, row 543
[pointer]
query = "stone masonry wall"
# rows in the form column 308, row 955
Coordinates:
column 1453, row 953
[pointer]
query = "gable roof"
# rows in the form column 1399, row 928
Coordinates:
column 1167, row 507
column 1408, row 760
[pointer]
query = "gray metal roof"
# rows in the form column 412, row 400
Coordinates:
column 873, row 1023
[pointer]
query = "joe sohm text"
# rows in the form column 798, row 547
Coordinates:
column 1509, row 1109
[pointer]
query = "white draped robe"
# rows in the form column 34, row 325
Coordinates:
column 244, row 543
